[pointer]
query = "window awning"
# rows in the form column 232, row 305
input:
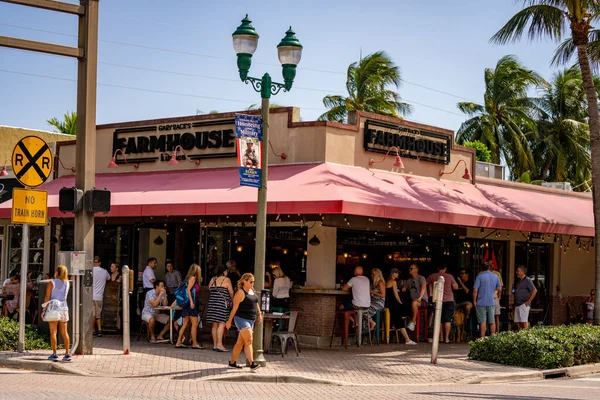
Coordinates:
column 338, row 189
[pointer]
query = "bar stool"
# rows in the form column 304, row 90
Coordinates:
column 345, row 314
column 421, row 315
column 361, row 314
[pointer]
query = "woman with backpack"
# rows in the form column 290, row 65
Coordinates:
column 245, row 311
column 219, row 305
column 190, row 310
column 56, row 292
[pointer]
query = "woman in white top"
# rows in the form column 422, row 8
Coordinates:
column 281, row 290
column 57, row 290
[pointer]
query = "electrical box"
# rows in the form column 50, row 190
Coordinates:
column 73, row 260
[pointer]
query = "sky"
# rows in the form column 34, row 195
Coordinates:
column 170, row 58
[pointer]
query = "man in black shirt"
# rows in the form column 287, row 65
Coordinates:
column 464, row 293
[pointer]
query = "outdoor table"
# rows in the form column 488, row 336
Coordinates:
column 171, row 311
column 268, row 321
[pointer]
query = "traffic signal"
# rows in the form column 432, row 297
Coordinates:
column 69, row 199
column 97, row 201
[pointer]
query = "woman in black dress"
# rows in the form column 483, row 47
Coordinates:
column 399, row 310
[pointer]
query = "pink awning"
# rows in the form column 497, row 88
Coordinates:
column 338, row 189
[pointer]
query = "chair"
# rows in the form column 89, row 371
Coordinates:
column 142, row 326
column 290, row 334
column 345, row 314
column 421, row 317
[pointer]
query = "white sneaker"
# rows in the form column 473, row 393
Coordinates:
column 411, row 326
column 410, row 342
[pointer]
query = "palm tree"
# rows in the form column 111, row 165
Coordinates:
column 553, row 18
column 503, row 122
column 367, row 84
column 562, row 151
column 68, row 126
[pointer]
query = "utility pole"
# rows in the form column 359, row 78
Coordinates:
column 86, row 53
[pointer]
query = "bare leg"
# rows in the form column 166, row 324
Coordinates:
column 65, row 336
column 526, row 325
column 162, row 333
column 220, row 330
column 447, row 327
column 194, row 331
column 415, row 309
column 151, row 325
column 497, row 320
column 99, row 323
column 482, row 329
column 246, row 333
column 493, row 329
column 214, row 333
column 237, row 349
column 53, row 327
column 186, row 322
column 404, row 335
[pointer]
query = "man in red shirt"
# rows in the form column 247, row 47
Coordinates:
column 448, row 299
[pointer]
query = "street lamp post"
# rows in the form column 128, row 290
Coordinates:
column 245, row 42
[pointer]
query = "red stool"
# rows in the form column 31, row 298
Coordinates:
column 421, row 315
column 345, row 327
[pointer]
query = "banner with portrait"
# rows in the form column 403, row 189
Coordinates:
column 248, row 135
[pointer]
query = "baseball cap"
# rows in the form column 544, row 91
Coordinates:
column 394, row 271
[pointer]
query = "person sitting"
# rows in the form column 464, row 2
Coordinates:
column 361, row 291
column 416, row 285
column 281, row 290
column 154, row 298
column 13, row 287
column 377, row 295
column 399, row 310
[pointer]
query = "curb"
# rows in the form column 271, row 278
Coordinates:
column 259, row 378
column 43, row 366
column 571, row 372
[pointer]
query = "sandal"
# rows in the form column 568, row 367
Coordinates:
column 181, row 346
column 198, row 347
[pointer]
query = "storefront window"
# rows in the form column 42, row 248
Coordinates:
column 113, row 244
column 36, row 249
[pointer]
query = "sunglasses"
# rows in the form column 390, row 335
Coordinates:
column 251, row 281
column 410, row 269
column 462, row 273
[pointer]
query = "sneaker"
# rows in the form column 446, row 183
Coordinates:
column 235, row 365
column 95, row 333
column 411, row 326
column 410, row 342
column 254, row 366
column 99, row 334
column 67, row 358
column 53, row 357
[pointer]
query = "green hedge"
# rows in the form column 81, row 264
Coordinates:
column 9, row 336
column 542, row 347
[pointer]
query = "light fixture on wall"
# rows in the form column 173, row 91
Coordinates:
column 466, row 175
column 173, row 160
column 314, row 241
column 284, row 251
column 113, row 161
column 398, row 163
column 239, row 249
column 3, row 171
column 158, row 241
column 72, row 169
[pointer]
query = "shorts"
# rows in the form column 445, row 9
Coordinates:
column 485, row 314
column 243, row 323
column 448, row 311
column 496, row 306
column 424, row 304
column 522, row 313
column 97, row 308
column 158, row 317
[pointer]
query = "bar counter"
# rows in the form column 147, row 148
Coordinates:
column 319, row 306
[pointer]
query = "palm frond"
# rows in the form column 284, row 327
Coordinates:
column 544, row 20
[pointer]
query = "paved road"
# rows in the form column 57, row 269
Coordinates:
column 18, row 384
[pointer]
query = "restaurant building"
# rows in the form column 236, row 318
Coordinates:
column 377, row 192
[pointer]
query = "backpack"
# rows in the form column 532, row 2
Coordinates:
column 181, row 295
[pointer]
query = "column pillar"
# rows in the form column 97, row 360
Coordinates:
column 320, row 262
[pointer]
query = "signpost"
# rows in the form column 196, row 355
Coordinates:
column 31, row 162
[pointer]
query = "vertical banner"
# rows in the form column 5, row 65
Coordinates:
column 248, row 135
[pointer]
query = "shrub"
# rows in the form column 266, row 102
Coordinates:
column 482, row 152
column 542, row 347
column 9, row 336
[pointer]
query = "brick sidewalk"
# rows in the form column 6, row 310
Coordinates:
column 370, row 364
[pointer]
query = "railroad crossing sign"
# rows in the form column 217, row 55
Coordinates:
column 29, row 207
column 32, row 161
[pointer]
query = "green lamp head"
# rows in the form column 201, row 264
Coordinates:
column 245, row 42
column 290, row 53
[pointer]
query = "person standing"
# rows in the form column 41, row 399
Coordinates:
column 399, row 310
column 486, row 284
column 497, row 295
column 101, row 276
column 232, row 273
column 281, row 291
column 57, row 291
column 115, row 272
column 448, row 299
column 172, row 279
column 417, row 286
column 219, row 306
column 464, row 297
column 148, row 277
column 524, row 293
column 190, row 311
column 246, row 310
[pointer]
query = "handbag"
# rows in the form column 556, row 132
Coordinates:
column 228, row 301
column 51, row 311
